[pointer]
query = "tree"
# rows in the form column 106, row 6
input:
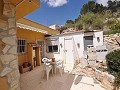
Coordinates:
column 112, row 5
column 91, row 21
column 96, row 16
column 115, row 28
column 98, row 22
column 79, row 26
column 62, row 28
column 69, row 23
column 99, row 8
column 91, row 6
column 87, row 20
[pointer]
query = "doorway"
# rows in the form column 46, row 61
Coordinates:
column 88, row 40
column 36, row 56
column 41, row 44
column 69, row 50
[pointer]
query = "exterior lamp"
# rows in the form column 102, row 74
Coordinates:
column 78, row 45
column 61, row 45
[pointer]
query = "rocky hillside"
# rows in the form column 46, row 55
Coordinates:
column 112, row 41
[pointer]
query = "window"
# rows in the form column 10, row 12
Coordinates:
column 21, row 45
column 53, row 48
column 52, row 45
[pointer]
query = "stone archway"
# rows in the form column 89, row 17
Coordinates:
column 9, row 74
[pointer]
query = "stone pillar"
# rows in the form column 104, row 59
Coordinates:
column 8, row 49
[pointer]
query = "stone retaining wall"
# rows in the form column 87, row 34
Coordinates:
column 8, row 47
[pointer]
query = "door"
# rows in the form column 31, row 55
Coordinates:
column 41, row 43
column 69, row 51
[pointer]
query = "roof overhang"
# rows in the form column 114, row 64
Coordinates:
column 25, row 22
column 23, row 7
column 20, row 25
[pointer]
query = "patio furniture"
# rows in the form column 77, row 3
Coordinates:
column 58, row 64
column 47, row 66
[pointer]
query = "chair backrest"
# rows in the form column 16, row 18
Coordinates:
column 59, row 63
column 45, row 60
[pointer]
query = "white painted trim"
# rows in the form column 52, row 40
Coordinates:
column 20, row 25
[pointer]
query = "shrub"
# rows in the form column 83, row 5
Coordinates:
column 113, row 66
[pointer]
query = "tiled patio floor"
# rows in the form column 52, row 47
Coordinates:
column 36, row 80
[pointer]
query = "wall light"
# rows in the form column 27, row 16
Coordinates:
column 78, row 45
column 61, row 45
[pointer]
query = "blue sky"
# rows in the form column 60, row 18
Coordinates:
column 57, row 11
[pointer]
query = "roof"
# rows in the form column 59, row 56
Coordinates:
column 75, row 33
column 30, row 25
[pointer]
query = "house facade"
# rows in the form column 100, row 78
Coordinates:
column 70, row 47
column 55, row 27
column 12, row 43
column 31, row 41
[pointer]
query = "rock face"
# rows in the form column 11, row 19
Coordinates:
column 111, row 41
column 8, row 47
column 101, row 77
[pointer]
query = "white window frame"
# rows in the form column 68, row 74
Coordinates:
column 21, row 48
column 47, row 46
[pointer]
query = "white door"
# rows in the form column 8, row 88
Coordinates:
column 69, row 51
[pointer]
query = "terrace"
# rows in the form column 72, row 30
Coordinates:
column 36, row 80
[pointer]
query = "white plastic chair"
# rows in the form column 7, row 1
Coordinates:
column 59, row 65
column 47, row 66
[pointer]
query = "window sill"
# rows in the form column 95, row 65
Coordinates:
column 22, row 53
column 54, row 52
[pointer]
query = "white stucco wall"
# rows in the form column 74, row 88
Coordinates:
column 53, row 54
column 78, row 50
column 100, row 35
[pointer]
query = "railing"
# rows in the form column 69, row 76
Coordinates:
column 36, row 1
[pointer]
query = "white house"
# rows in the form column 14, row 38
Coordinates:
column 55, row 27
column 71, row 46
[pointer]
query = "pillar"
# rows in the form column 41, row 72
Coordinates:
column 9, row 73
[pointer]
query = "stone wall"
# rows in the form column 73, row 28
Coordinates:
column 8, row 47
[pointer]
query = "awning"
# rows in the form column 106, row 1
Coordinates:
column 20, row 25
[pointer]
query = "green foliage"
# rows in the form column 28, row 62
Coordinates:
column 94, row 16
column 69, row 23
column 92, row 21
column 110, row 22
column 87, row 20
column 113, row 64
column 113, row 5
column 114, row 27
column 91, row 6
column 62, row 28
column 79, row 26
